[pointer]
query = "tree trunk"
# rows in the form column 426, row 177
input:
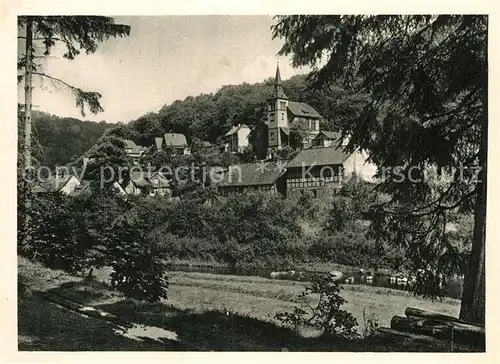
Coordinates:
column 429, row 315
column 473, row 296
column 28, row 103
column 28, row 93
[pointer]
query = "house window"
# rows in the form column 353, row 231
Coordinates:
column 282, row 116
column 282, row 105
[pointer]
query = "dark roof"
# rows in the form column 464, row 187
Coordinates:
column 331, row 135
column 139, row 178
column 52, row 183
column 235, row 128
column 302, row 109
column 251, row 174
column 319, row 157
column 84, row 187
column 175, row 140
column 130, row 144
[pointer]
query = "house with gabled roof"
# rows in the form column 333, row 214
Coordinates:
column 314, row 169
column 328, row 139
column 64, row 183
column 134, row 151
column 253, row 177
column 236, row 139
column 159, row 184
column 174, row 141
column 136, row 183
column 139, row 182
column 81, row 189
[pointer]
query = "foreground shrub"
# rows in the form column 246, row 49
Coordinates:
column 138, row 270
column 50, row 237
column 326, row 315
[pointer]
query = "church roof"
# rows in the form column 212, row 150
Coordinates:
column 278, row 85
column 302, row 109
column 277, row 79
column 319, row 157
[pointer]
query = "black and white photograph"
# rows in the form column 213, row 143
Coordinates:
column 252, row 183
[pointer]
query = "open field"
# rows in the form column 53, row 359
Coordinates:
column 206, row 311
column 262, row 298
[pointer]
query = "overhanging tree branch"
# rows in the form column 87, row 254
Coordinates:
column 89, row 98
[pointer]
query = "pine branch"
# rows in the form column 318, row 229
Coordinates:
column 73, row 88
column 89, row 98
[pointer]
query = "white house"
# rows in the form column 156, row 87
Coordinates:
column 237, row 138
column 64, row 183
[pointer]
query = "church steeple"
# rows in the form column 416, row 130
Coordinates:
column 278, row 85
column 277, row 79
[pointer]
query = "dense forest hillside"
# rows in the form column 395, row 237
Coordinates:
column 204, row 117
column 59, row 140
column 209, row 116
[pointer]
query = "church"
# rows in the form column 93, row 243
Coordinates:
column 282, row 113
column 320, row 166
column 273, row 132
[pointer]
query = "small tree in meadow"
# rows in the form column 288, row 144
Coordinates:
column 138, row 270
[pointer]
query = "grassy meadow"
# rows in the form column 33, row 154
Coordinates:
column 206, row 311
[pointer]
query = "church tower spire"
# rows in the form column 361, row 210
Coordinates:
column 277, row 115
column 278, row 85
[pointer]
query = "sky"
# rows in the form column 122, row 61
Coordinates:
column 164, row 59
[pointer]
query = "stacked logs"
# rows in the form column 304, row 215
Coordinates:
column 439, row 326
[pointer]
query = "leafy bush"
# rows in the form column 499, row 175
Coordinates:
column 51, row 238
column 94, row 215
column 326, row 315
column 138, row 270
